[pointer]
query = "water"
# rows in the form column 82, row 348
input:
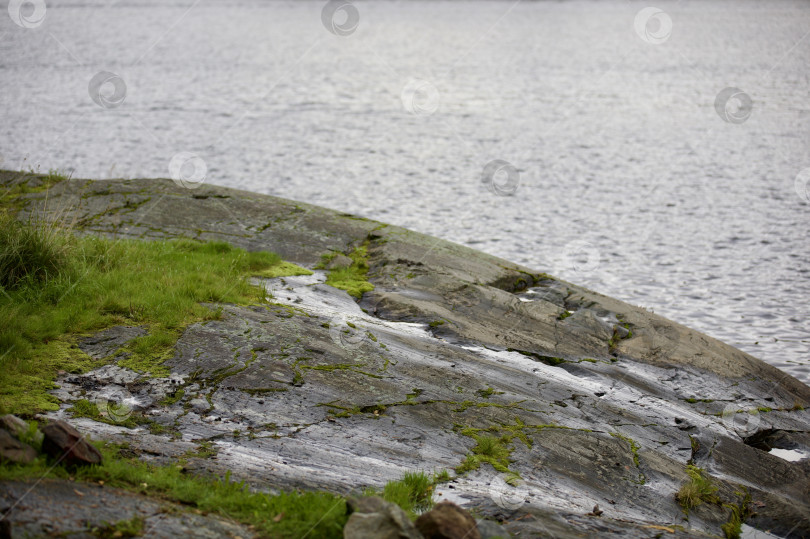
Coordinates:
column 630, row 182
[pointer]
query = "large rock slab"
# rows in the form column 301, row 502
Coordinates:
column 596, row 401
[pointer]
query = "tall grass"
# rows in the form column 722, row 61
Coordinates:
column 29, row 252
column 56, row 287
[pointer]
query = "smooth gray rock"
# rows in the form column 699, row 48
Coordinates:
column 377, row 519
column 610, row 401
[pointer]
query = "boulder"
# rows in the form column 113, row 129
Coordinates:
column 374, row 518
column 11, row 449
column 13, row 424
column 447, row 521
column 65, row 443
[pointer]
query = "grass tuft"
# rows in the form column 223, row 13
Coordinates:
column 699, row 489
column 413, row 493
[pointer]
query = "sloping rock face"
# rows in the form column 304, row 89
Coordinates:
column 590, row 400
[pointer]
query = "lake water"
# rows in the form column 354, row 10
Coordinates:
column 620, row 167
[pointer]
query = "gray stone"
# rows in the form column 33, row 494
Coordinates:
column 14, row 425
column 13, row 450
column 375, row 518
column 340, row 261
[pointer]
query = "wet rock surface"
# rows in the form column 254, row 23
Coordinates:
column 594, row 400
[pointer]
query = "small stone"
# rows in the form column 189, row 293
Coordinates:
column 66, row 443
column 340, row 261
column 13, row 424
column 11, row 449
column 447, row 521
column 374, row 518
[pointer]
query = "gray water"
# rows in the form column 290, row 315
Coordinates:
column 631, row 181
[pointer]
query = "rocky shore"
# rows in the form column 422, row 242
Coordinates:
column 556, row 411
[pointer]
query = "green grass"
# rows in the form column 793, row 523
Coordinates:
column 491, row 449
column 60, row 287
column 732, row 529
column 353, row 279
column 699, row 489
column 413, row 493
column 314, row 514
column 132, row 527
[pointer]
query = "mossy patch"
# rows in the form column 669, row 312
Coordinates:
column 353, row 279
column 131, row 527
column 699, row 489
column 634, row 447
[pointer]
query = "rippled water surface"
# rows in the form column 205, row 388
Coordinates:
column 630, row 182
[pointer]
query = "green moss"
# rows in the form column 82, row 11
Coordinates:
column 488, row 392
column 491, row 449
column 282, row 269
column 100, row 283
column 168, row 400
column 634, row 447
column 132, row 527
column 732, row 529
column 436, row 323
column 317, row 514
column 353, row 279
column 563, row 315
column 699, row 489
